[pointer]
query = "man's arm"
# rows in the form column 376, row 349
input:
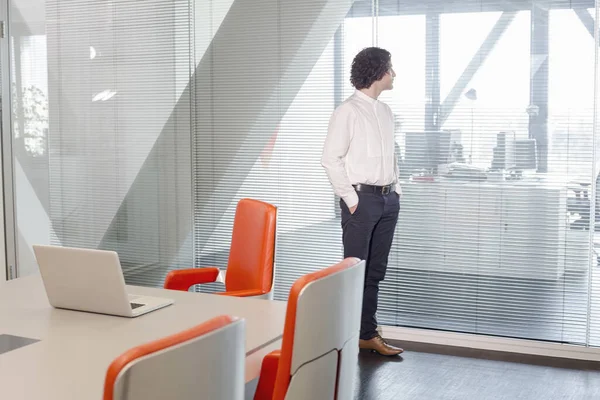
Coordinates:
column 397, row 187
column 339, row 136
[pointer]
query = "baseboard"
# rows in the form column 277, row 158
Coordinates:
column 491, row 343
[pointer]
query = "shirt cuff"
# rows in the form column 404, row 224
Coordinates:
column 351, row 200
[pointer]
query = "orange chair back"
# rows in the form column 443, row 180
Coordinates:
column 252, row 252
column 319, row 353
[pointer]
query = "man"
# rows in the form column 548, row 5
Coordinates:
column 360, row 161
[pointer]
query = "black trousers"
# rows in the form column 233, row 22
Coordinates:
column 368, row 235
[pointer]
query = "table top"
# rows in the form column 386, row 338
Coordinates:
column 75, row 348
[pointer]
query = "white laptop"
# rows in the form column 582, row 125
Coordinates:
column 90, row 280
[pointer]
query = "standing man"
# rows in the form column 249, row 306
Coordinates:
column 360, row 161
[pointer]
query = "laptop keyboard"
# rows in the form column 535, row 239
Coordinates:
column 136, row 305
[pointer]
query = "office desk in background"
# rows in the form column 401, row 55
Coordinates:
column 75, row 348
column 505, row 229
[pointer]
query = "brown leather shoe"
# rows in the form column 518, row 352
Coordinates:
column 378, row 345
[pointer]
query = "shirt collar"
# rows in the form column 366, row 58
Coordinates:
column 363, row 96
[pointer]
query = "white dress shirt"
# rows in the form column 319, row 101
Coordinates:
column 359, row 147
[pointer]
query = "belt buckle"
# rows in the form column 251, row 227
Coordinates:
column 385, row 190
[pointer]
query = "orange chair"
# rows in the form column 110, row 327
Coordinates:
column 319, row 353
column 206, row 361
column 250, row 267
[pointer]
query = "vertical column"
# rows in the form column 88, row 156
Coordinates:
column 432, row 72
column 538, row 110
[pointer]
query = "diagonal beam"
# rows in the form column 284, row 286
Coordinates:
column 476, row 62
column 586, row 19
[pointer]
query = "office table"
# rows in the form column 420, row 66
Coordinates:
column 74, row 349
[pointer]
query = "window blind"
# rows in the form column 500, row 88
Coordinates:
column 502, row 256
column 497, row 242
column 260, row 130
column 161, row 115
column 104, row 113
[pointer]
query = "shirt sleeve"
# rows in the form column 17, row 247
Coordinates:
column 337, row 142
column 397, row 187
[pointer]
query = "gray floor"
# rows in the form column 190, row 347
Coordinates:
column 430, row 376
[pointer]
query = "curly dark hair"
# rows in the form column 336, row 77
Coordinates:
column 368, row 66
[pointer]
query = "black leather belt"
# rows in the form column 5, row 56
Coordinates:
column 361, row 187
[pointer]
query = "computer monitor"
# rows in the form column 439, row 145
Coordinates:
column 426, row 150
column 525, row 154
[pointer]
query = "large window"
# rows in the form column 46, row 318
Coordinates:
column 404, row 37
column 494, row 52
column 571, row 93
column 137, row 127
